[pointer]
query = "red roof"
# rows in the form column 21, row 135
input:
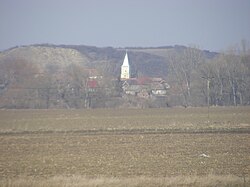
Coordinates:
column 92, row 84
column 143, row 80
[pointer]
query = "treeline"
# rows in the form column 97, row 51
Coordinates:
column 24, row 85
column 220, row 81
column 194, row 78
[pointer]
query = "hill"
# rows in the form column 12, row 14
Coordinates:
column 56, row 76
column 145, row 61
column 43, row 57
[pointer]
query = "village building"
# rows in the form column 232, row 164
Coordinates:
column 143, row 87
column 125, row 68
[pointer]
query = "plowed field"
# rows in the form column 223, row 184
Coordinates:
column 125, row 143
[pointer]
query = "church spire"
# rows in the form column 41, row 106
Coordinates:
column 125, row 61
column 125, row 69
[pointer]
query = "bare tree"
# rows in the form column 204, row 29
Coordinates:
column 182, row 66
column 228, row 79
column 17, row 74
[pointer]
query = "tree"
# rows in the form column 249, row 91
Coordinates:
column 228, row 79
column 182, row 66
column 236, row 74
column 18, row 76
column 70, row 86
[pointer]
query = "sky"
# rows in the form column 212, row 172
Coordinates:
column 213, row 25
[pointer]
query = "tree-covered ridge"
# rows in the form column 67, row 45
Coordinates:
column 77, row 76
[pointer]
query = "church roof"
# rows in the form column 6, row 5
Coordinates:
column 125, row 61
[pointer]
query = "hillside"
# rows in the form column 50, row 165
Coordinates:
column 56, row 76
column 50, row 76
column 45, row 58
column 148, row 61
column 144, row 61
column 109, row 60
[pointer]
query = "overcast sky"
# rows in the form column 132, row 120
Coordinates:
column 210, row 24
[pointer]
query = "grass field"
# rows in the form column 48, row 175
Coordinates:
column 125, row 147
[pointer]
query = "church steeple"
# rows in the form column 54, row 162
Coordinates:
column 125, row 61
column 125, row 69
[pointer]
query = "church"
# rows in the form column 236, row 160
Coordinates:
column 145, row 87
column 125, row 68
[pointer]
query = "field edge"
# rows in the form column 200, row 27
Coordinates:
column 77, row 180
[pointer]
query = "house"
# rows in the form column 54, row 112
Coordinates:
column 92, row 85
column 145, row 87
column 141, row 91
column 158, row 90
column 159, row 87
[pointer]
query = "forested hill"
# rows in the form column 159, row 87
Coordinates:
column 54, row 76
column 150, row 61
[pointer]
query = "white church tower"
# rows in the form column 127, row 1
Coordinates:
column 125, row 70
